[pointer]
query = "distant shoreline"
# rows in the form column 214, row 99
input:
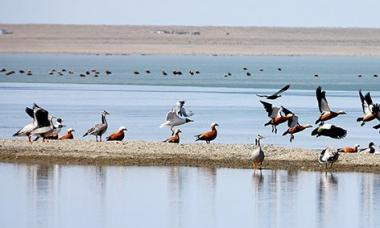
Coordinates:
column 162, row 154
column 189, row 40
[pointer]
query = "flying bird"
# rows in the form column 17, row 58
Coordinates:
column 276, row 94
column 370, row 110
column 53, row 131
column 326, row 113
column 328, row 156
column 208, row 136
column 329, row 130
column 99, row 129
column 174, row 138
column 277, row 115
column 118, row 135
column 295, row 127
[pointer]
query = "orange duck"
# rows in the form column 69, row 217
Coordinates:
column 175, row 137
column 117, row 136
column 324, row 108
column 277, row 115
column 208, row 135
column 348, row 149
column 68, row 135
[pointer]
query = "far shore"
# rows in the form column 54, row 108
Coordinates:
column 189, row 40
column 162, row 154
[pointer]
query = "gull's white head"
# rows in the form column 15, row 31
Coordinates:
column 70, row 130
column 213, row 125
column 177, row 131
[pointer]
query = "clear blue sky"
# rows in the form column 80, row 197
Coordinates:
column 299, row 13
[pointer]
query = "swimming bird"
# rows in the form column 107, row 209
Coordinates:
column 108, row 72
column 328, row 156
column 295, row 127
column 248, row 74
column 164, row 73
column 136, row 72
column 197, row 72
column 276, row 94
column 147, row 71
column 370, row 110
column 21, row 71
column 40, row 119
column 277, row 115
column 279, row 69
column 257, row 155
column 10, row 73
column 245, row 68
column 180, row 110
column 348, row 149
column 174, row 138
column 68, row 135
column 326, row 113
column 371, row 149
column 29, row 73
column 99, row 129
column 329, row 130
column 3, row 70
column 117, row 136
column 173, row 120
column 191, row 72
column 208, row 136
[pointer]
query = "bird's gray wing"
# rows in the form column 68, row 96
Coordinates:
column 171, row 115
column 293, row 121
column 364, row 103
column 286, row 111
column 268, row 108
column 283, row 89
column 184, row 113
column 322, row 102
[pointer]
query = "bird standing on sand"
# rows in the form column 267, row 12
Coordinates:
column 329, row 130
column 371, row 149
column 326, row 113
column 54, row 132
column 208, row 136
column 174, row 138
column 277, row 115
column 99, row 129
column 276, row 94
column 370, row 110
column 295, row 127
column 328, row 156
column 257, row 155
column 173, row 120
column 348, row 149
column 117, row 136
column 44, row 130
column 40, row 119
column 68, row 135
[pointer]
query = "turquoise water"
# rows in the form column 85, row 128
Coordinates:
column 337, row 73
column 105, row 196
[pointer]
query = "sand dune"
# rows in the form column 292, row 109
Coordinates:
column 189, row 40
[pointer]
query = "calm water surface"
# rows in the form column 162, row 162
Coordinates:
column 92, row 196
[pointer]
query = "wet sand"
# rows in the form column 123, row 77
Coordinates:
column 178, row 40
column 163, row 154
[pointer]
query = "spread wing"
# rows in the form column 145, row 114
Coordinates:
column 365, row 106
column 30, row 112
column 293, row 121
column 268, row 108
column 283, row 89
column 286, row 111
column 322, row 102
column 171, row 115
column 42, row 117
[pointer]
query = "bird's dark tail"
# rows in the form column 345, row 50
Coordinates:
column 285, row 133
column 85, row 134
column 376, row 126
column 314, row 132
column 359, row 119
column 317, row 121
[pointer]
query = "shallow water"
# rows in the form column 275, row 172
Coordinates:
column 140, row 102
column 90, row 196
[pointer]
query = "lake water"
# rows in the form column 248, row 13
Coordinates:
column 141, row 102
column 91, row 196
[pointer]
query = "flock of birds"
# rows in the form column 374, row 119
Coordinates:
column 48, row 127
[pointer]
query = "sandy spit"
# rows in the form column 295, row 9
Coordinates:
column 180, row 40
column 163, row 154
